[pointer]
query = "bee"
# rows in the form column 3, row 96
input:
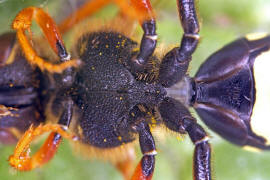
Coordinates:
column 193, row 58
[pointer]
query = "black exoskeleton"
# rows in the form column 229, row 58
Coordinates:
column 107, row 92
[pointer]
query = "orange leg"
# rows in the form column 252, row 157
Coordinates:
column 125, row 168
column 138, row 10
column 138, row 175
column 21, row 159
column 23, row 22
column 83, row 12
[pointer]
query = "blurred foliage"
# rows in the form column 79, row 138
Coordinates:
column 221, row 22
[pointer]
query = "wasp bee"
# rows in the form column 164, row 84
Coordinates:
column 142, row 109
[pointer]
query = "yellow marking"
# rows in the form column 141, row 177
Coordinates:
column 123, row 43
column 252, row 149
column 132, row 114
column 135, row 49
column 93, row 68
column 259, row 121
column 153, row 120
column 255, row 36
column 122, row 146
column 119, row 138
column 11, row 85
column 105, row 140
column 121, row 98
column 100, row 53
column 107, row 46
column 151, row 128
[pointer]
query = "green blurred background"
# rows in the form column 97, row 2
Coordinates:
column 222, row 21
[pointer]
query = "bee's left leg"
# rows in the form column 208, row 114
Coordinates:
column 21, row 159
column 177, row 118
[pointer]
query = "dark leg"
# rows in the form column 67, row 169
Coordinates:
column 21, row 159
column 64, row 120
column 149, row 39
column 202, row 153
column 148, row 44
column 175, row 63
column 145, row 169
column 177, row 118
column 141, row 10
